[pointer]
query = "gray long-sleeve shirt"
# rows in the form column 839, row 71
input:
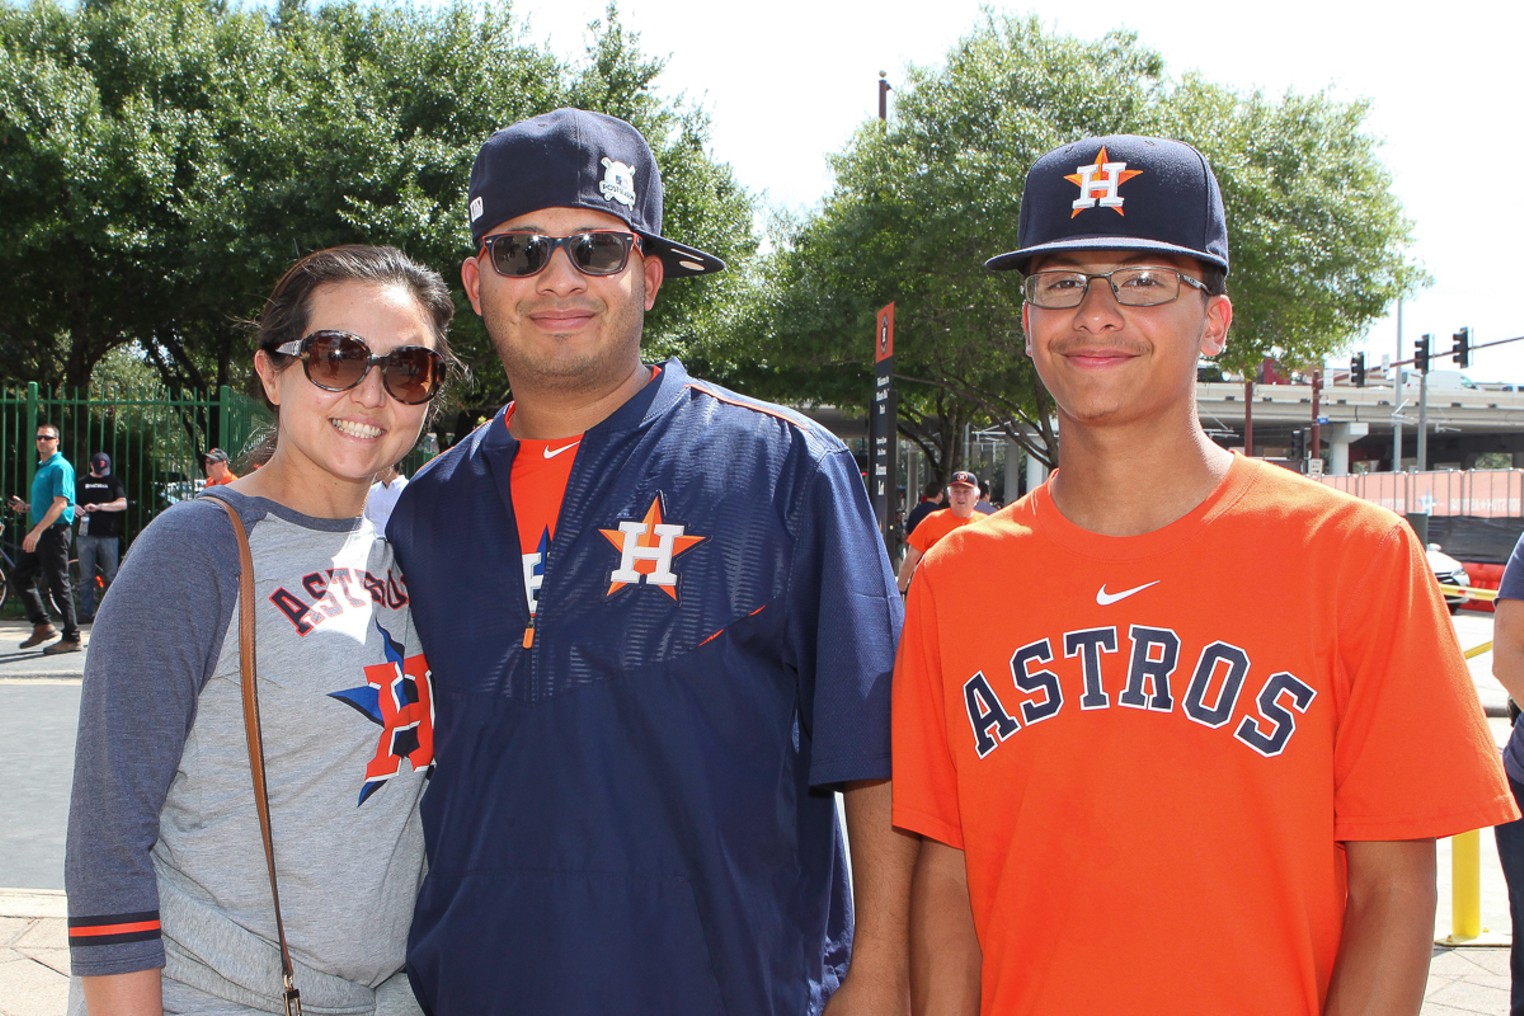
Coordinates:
column 162, row 822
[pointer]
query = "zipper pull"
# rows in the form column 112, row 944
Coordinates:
column 529, row 633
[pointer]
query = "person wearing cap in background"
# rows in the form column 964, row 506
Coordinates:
column 102, row 498
column 962, row 499
column 1179, row 727
column 648, row 678
column 215, row 462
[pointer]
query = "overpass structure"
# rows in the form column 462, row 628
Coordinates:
column 1355, row 429
column 1356, row 424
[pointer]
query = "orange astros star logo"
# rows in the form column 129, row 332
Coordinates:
column 1098, row 184
column 646, row 550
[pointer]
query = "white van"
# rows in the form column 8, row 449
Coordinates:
column 1441, row 381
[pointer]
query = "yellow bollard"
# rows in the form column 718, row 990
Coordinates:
column 1465, row 886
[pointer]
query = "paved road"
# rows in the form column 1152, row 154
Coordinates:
column 37, row 720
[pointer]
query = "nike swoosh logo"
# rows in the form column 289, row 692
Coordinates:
column 564, row 448
column 1104, row 598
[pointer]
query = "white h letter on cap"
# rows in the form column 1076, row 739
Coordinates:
column 1090, row 186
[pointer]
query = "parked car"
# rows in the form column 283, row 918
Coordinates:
column 175, row 491
column 1449, row 572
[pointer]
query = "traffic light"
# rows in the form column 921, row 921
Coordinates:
column 1357, row 370
column 1421, row 354
column 1462, row 347
column 1298, row 445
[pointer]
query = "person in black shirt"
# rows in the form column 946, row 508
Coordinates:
column 931, row 500
column 102, row 499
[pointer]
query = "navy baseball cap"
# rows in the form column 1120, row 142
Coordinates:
column 1120, row 192
column 100, row 460
column 572, row 158
column 964, row 478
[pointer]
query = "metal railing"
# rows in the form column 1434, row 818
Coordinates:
column 155, row 438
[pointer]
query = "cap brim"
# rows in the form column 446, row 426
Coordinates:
column 680, row 259
column 1018, row 259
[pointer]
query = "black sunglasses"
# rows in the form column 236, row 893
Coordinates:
column 596, row 252
column 338, row 361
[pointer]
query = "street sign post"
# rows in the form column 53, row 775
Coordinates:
column 883, row 423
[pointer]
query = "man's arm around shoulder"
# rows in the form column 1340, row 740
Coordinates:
column 1383, row 962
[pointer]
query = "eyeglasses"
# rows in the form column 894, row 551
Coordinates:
column 338, row 361
column 47, row 437
column 1142, row 286
column 596, row 252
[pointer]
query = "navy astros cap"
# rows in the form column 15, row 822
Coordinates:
column 1120, row 192
column 965, row 478
column 576, row 159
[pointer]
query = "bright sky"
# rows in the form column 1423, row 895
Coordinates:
column 786, row 83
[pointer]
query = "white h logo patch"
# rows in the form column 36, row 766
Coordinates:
column 660, row 574
column 1089, row 186
column 646, row 549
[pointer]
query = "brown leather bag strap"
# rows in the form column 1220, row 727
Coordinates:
column 246, row 662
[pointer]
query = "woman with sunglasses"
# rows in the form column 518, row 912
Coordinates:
column 165, row 864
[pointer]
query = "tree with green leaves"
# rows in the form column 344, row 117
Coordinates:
column 161, row 161
column 920, row 202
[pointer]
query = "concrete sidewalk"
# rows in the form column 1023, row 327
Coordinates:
column 34, row 953
column 22, row 664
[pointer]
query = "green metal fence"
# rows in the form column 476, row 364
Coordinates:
column 155, row 438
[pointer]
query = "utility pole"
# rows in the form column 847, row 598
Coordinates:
column 1421, row 351
column 1397, row 399
column 1315, row 441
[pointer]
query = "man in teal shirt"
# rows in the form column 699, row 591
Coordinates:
column 44, row 556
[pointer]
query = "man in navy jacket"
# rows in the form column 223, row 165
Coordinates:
column 661, row 627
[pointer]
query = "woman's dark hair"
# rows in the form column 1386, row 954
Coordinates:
column 288, row 309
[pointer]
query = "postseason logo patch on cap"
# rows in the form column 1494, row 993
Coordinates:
column 618, row 183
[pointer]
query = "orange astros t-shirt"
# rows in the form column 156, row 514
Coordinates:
column 937, row 525
column 1150, row 748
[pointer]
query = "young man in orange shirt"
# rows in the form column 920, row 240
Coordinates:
column 962, row 499
column 1179, row 728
